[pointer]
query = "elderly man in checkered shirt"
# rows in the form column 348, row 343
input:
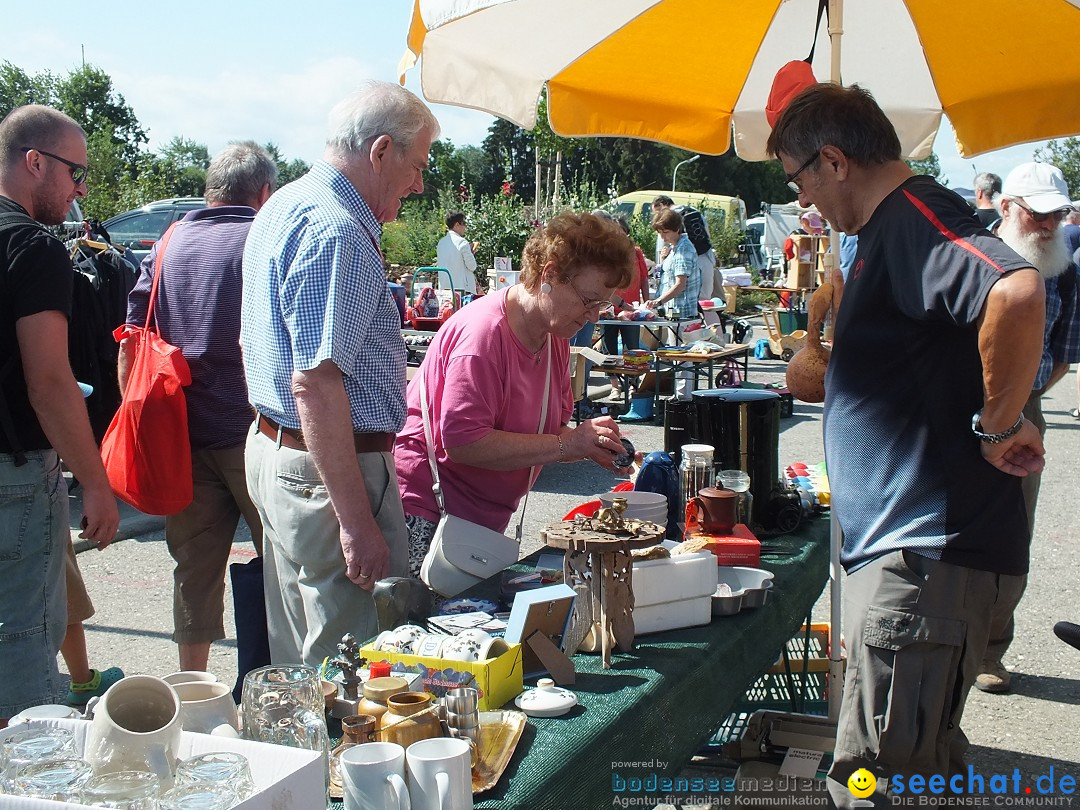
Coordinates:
column 1034, row 202
column 325, row 368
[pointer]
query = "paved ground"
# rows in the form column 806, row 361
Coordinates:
column 1033, row 728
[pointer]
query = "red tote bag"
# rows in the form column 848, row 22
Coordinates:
column 146, row 451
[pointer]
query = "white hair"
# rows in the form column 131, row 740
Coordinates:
column 379, row 108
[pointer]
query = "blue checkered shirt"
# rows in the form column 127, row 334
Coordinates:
column 1061, row 338
column 682, row 261
column 314, row 290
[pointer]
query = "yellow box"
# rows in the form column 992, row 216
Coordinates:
column 498, row 680
column 817, row 659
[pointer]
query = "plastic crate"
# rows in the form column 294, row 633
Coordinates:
column 816, row 655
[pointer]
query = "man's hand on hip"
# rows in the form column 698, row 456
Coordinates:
column 1019, row 455
column 367, row 557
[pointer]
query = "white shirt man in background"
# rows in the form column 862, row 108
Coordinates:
column 456, row 255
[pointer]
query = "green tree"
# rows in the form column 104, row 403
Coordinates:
column 287, row 171
column 189, row 160
column 928, row 165
column 18, row 88
column 1064, row 154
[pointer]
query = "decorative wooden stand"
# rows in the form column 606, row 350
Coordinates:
column 598, row 567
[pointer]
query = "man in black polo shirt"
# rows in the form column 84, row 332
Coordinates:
column 936, row 347
column 42, row 414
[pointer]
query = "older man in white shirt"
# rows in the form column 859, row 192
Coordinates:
column 456, row 255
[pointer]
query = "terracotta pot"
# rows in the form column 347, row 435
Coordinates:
column 406, row 720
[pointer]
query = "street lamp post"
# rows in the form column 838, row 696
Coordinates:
column 677, row 165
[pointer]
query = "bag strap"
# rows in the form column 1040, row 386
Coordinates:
column 158, row 265
column 429, row 442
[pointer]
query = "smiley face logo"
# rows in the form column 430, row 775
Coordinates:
column 861, row 783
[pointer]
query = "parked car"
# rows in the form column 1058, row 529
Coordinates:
column 639, row 203
column 140, row 228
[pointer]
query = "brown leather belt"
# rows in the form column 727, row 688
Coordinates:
column 294, row 439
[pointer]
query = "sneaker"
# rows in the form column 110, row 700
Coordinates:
column 80, row 693
column 993, row 678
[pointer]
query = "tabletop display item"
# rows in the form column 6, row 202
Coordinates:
column 125, row 790
column 224, row 768
column 201, row 796
column 410, row 717
column 136, row 727
column 284, row 705
column 206, row 705
column 377, row 691
column 358, row 729
column 597, row 565
column 48, row 711
column 34, row 745
column 740, row 588
column 373, row 777
column 499, row 735
column 546, row 700
column 60, row 780
column 439, row 774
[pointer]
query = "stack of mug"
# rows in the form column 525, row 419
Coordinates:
column 462, row 714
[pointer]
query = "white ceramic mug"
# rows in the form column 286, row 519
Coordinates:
column 188, row 676
column 136, row 727
column 373, row 777
column 205, row 705
column 440, row 774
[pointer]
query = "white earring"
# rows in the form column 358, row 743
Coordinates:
column 545, row 288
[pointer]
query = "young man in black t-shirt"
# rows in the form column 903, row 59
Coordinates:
column 42, row 414
column 924, row 437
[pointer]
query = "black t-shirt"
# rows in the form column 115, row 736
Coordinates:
column 35, row 276
column 987, row 216
column 904, row 380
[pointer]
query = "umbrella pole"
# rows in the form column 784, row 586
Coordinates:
column 836, row 667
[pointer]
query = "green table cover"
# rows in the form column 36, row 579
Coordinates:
column 660, row 702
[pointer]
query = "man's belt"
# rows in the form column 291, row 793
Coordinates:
column 294, row 439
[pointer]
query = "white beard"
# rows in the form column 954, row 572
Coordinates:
column 1046, row 250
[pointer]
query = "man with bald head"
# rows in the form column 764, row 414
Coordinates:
column 42, row 415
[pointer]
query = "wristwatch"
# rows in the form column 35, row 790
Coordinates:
column 995, row 438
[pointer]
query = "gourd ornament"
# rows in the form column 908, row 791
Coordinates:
column 806, row 371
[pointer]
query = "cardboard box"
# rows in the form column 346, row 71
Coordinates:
column 498, row 680
column 738, row 548
column 285, row 778
column 673, row 593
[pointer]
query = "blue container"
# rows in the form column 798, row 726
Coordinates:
column 659, row 474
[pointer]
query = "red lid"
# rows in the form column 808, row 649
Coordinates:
column 379, row 669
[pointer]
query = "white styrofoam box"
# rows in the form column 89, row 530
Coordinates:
column 685, row 576
column 673, row 615
column 285, row 778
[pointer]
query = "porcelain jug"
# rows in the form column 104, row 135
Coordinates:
column 136, row 727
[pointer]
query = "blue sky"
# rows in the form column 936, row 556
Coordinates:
column 270, row 71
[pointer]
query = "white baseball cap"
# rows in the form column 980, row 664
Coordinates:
column 1041, row 186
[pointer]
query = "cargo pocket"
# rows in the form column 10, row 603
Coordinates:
column 905, row 686
column 16, row 509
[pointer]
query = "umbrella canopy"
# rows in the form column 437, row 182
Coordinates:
column 690, row 72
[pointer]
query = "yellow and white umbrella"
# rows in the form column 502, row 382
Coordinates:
column 689, row 72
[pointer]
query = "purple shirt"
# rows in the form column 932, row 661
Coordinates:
column 198, row 310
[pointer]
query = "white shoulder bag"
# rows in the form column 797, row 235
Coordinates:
column 463, row 553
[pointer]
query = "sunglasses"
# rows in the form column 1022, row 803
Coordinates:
column 790, row 179
column 78, row 171
column 1057, row 216
column 589, row 303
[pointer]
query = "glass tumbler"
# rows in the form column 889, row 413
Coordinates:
column 739, row 482
column 221, row 768
column 34, row 746
column 123, row 790
column 60, row 780
column 202, row 796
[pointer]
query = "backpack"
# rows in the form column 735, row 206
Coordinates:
column 696, row 228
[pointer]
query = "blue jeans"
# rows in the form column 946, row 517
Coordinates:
column 34, row 528
column 631, row 337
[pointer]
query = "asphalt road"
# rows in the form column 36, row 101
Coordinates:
column 1033, row 728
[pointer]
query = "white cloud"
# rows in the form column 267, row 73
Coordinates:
column 287, row 108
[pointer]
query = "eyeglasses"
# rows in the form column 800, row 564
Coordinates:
column 1057, row 216
column 78, row 171
column 589, row 304
column 790, row 180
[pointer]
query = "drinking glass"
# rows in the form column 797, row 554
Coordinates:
column 60, row 780
column 221, row 768
column 123, row 790
column 34, row 746
column 201, row 796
